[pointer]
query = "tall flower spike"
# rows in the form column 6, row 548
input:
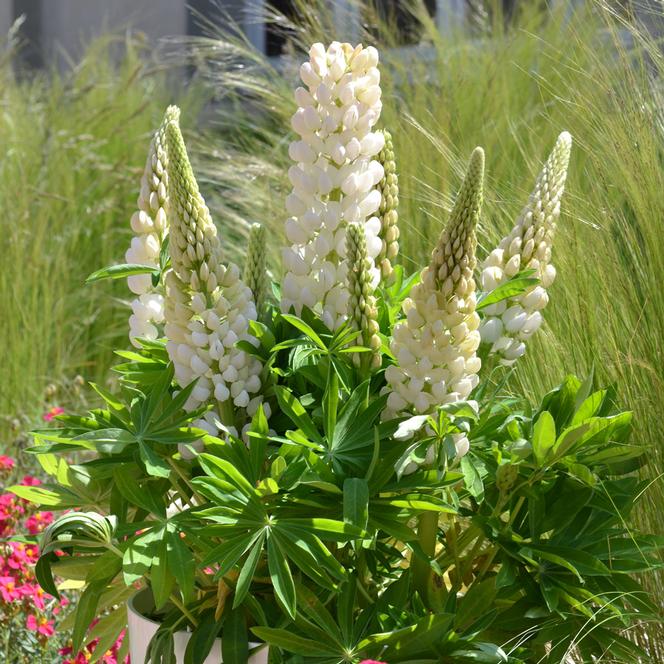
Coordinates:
column 389, row 202
column 150, row 226
column 362, row 313
column 435, row 346
column 507, row 325
column 255, row 268
column 208, row 307
column 334, row 177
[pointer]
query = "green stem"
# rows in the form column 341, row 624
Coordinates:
column 473, row 553
column 462, row 543
column 176, row 601
column 427, row 534
column 493, row 552
column 227, row 413
column 187, row 483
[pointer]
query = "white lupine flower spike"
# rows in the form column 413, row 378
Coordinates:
column 362, row 312
column 334, row 177
column 255, row 267
column 208, row 306
column 389, row 202
column 435, row 346
column 507, row 325
column 150, row 227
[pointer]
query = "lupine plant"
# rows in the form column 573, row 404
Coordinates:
column 325, row 465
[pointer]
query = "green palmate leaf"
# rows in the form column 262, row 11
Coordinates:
column 235, row 644
column 137, row 559
column 314, row 609
column 44, row 576
column 326, row 528
column 472, row 478
column 303, row 556
column 105, row 567
column 154, row 464
column 331, row 402
column 48, row 495
column 306, row 329
column 419, row 504
column 175, row 405
column 202, row 639
column 228, row 554
column 108, row 441
column 296, row 412
column 161, row 577
column 181, row 563
column 517, row 285
column 348, row 417
column 86, row 610
column 356, row 502
column 162, row 648
column 281, row 576
column 290, row 642
column 582, row 562
column 258, row 437
column 111, row 400
column 120, row 271
column 544, row 437
column 411, row 640
column 157, row 395
column 561, row 402
column 568, row 439
column 216, row 467
column 142, row 496
column 263, row 333
column 248, row 570
column 474, row 604
column 589, row 407
column 317, row 552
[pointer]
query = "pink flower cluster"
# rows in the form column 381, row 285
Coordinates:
column 19, row 591
column 22, row 599
column 52, row 413
column 83, row 657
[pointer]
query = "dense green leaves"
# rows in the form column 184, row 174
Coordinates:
column 304, row 532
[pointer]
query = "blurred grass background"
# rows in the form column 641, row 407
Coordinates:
column 73, row 147
column 72, row 150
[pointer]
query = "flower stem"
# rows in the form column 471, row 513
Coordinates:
column 427, row 533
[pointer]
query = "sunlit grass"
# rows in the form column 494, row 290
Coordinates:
column 72, row 149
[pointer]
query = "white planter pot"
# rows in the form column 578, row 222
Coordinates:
column 142, row 629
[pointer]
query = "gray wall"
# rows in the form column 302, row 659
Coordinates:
column 63, row 27
column 71, row 23
column 6, row 16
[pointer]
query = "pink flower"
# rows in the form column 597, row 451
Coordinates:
column 8, row 589
column 52, row 413
column 6, row 463
column 371, row 661
column 22, row 555
column 42, row 625
column 109, row 657
column 29, row 480
column 38, row 521
column 35, row 594
column 10, row 509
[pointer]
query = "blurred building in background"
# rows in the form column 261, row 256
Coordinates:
column 57, row 30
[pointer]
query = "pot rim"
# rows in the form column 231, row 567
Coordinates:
column 131, row 606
